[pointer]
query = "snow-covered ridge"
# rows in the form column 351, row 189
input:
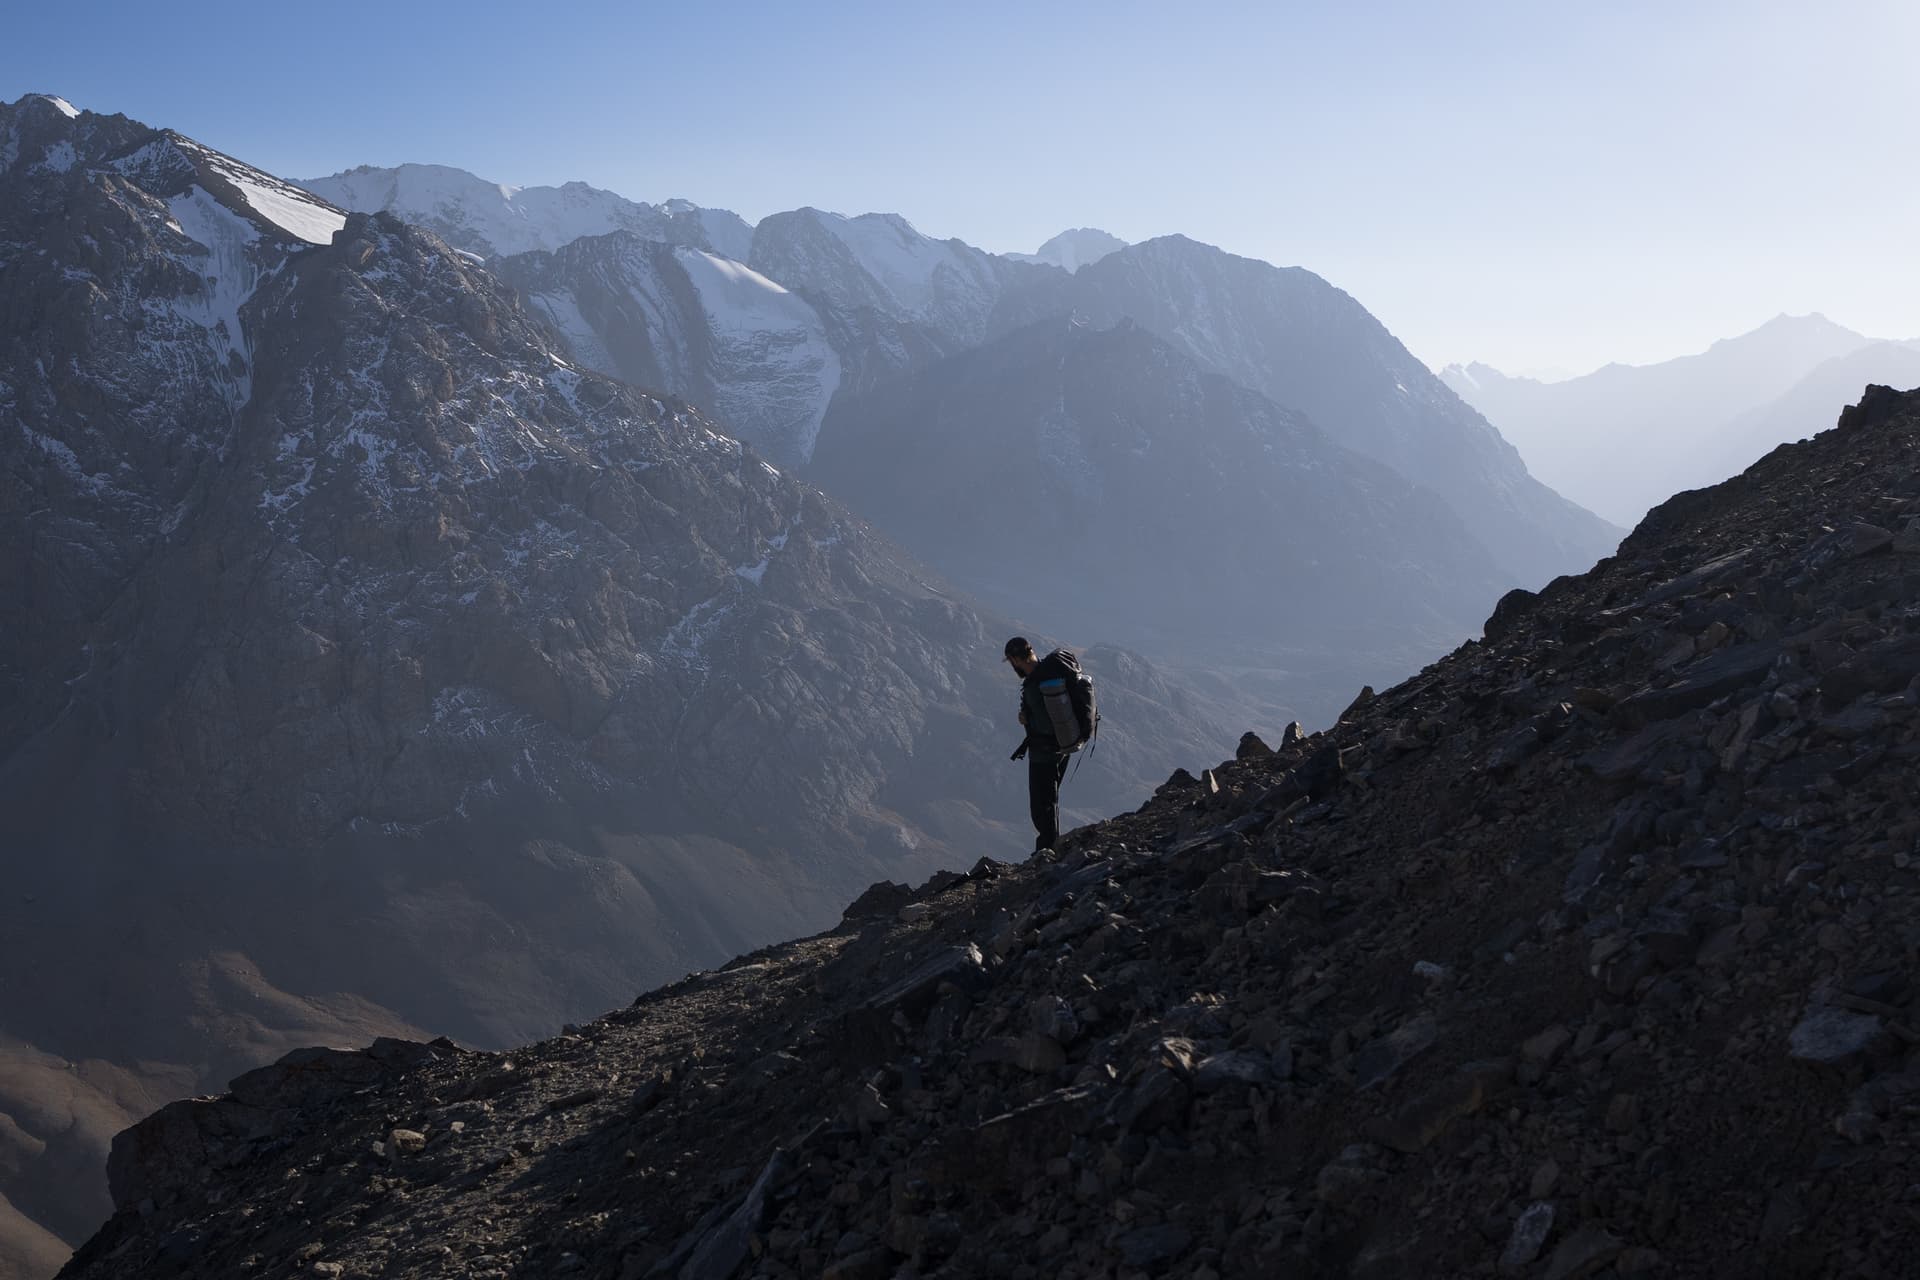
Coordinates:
column 900, row 259
column 286, row 206
column 59, row 104
column 493, row 219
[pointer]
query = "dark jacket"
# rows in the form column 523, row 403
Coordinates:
column 1060, row 664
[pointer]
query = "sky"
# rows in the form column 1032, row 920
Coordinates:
column 1541, row 186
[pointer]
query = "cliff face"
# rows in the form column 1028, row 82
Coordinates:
column 1585, row 948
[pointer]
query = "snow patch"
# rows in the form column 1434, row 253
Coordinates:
column 582, row 340
column 230, row 274
column 286, row 206
column 60, row 157
column 687, row 640
column 61, row 105
column 64, row 458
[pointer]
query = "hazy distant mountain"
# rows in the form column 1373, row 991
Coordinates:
column 1803, row 410
column 374, row 669
column 1291, row 336
column 1072, row 250
column 487, row 218
column 1067, row 472
column 1625, row 437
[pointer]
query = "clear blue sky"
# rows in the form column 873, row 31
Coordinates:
column 1531, row 184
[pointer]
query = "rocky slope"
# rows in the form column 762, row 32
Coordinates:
column 374, row 670
column 1623, row 438
column 1586, row 951
column 1724, row 450
column 1067, row 472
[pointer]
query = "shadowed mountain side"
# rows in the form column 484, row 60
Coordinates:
column 1067, row 472
column 1291, row 336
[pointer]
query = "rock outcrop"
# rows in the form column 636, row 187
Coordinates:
column 1586, row 951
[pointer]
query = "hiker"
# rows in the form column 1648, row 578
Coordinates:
column 1056, row 708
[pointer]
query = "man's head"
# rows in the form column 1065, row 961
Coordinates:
column 1021, row 657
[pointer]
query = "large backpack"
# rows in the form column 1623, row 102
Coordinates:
column 1070, row 705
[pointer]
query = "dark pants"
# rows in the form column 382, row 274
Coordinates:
column 1044, row 773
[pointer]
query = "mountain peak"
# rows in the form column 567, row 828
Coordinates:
column 1074, row 249
column 58, row 103
column 1786, row 334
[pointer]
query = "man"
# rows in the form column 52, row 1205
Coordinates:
column 1046, row 760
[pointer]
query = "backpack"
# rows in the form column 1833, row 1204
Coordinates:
column 1070, row 704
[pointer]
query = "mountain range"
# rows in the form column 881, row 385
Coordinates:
column 1624, row 437
column 830, row 312
column 448, row 608
column 377, row 669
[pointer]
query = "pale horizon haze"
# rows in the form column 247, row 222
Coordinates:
column 1535, row 187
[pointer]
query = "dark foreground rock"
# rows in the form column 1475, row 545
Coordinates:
column 1397, row 999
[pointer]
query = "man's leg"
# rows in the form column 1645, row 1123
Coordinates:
column 1043, row 796
column 1059, row 776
